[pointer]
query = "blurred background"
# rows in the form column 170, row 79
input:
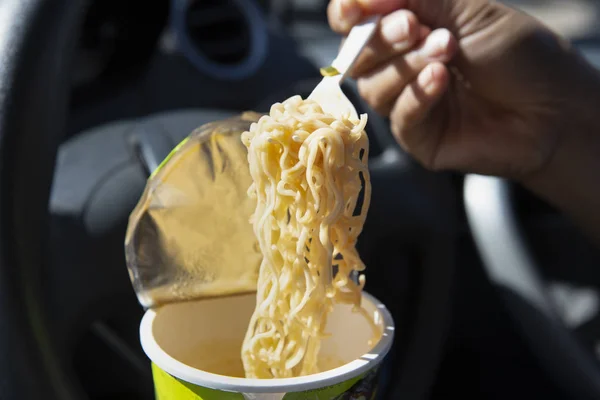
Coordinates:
column 148, row 72
column 573, row 19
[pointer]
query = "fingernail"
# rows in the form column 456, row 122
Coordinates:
column 437, row 44
column 349, row 12
column 395, row 30
column 426, row 79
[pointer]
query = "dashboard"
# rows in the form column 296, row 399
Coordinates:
column 181, row 54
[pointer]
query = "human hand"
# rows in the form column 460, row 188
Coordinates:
column 470, row 85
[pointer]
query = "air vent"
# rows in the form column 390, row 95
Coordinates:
column 226, row 39
column 219, row 30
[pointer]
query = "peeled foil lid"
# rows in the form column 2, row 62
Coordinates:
column 189, row 236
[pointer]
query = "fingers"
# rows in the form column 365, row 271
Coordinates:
column 410, row 112
column 344, row 14
column 384, row 84
column 397, row 33
column 413, row 105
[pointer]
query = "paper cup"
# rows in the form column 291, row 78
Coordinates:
column 195, row 352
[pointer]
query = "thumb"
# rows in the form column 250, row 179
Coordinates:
column 381, row 6
column 433, row 13
column 344, row 14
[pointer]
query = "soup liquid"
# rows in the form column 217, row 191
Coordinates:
column 222, row 357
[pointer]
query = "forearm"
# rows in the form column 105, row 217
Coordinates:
column 571, row 181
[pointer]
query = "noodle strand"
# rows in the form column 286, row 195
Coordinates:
column 309, row 172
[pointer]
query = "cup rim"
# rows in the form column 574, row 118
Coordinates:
column 280, row 385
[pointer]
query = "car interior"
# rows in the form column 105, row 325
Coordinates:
column 494, row 293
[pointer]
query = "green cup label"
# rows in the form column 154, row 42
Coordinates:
column 167, row 387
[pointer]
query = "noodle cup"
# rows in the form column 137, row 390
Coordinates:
column 195, row 352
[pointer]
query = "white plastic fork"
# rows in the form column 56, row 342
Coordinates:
column 328, row 92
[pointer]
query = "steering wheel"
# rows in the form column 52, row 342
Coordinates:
column 49, row 289
column 510, row 266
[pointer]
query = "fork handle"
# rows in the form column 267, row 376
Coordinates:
column 357, row 39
